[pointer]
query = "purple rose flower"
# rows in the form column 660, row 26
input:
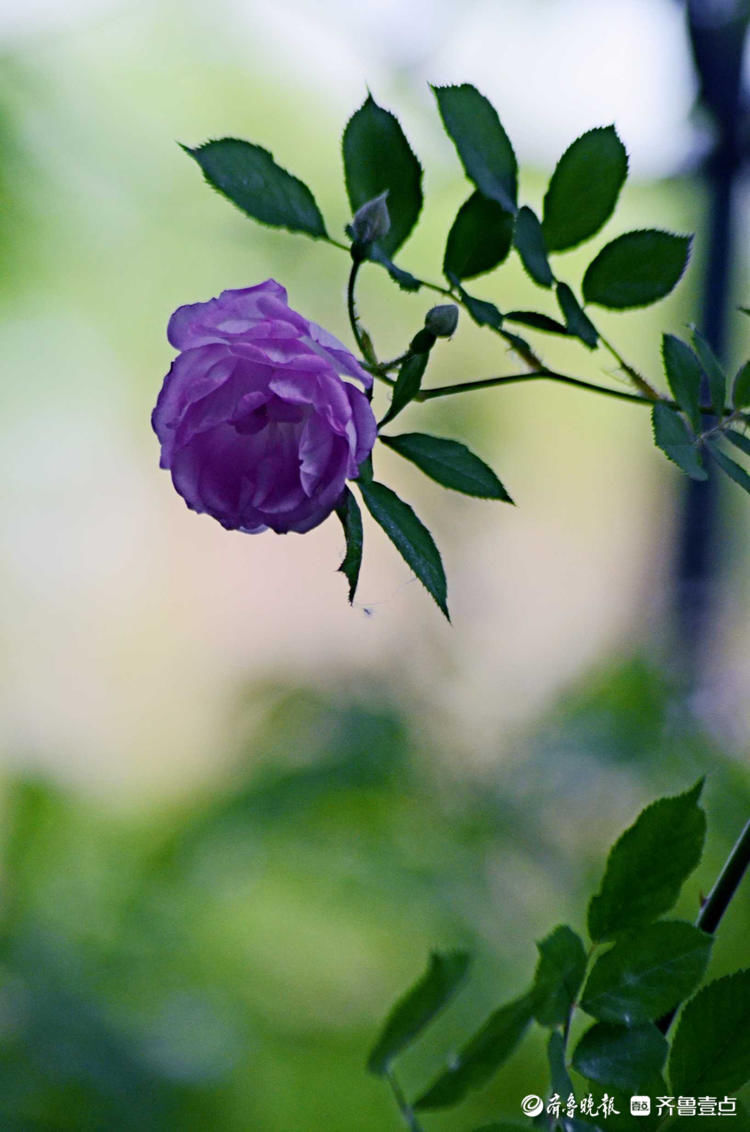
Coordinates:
column 256, row 424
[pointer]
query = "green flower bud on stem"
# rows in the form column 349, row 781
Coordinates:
column 442, row 320
column 370, row 222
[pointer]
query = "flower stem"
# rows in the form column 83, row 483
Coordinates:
column 727, row 883
column 533, row 375
column 403, row 1105
column 360, row 336
column 639, row 381
column 719, row 898
column 545, row 374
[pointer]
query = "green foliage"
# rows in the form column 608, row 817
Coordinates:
column 216, row 962
column 559, row 1078
column 480, row 238
column 481, row 1057
column 482, row 312
column 537, row 321
column 672, row 435
column 739, row 439
column 576, row 320
column 636, row 269
column 729, row 466
column 741, row 387
column 501, row 1126
column 251, row 179
column 684, row 374
column 377, row 157
column 410, row 537
column 559, row 974
column 449, row 463
column 351, row 520
column 627, row 1057
column 717, row 379
column 711, row 1049
column 633, row 270
column 405, row 280
column 648, row 865
column 584, row 188
column 482, row 144
column 652, row 967
column 529, row 240
column 646, row 973
column 408, row 383
column 418, row 1007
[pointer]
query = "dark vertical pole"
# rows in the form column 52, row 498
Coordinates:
column 717, row 34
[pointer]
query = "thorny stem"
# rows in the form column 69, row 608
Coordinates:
column 727, row 883
column 638, row 380
column 719, row 898
column 363, row 344
column 645, row 395
column 548, row 375
column 531, row 375
column 403, row 1105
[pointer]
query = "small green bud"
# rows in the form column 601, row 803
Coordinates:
column 371, row 221
column 442, row 320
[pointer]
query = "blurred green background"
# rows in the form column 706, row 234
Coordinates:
column 236, row 813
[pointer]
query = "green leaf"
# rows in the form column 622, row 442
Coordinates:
column 407, row 384
column 671, row 434
column 739, row 439
column 741, row 387
column 576, row 321
column 730, row 467
column 480, row 238
column 537, row 321
column 529, row 241
column 351, row 520
column 684, row 375
column 584, row 188
column 711, row 1049
column 559, row 974
column 410, row 537
column 520, row 345
column 483, row 313
column 251, row 179
column 636, row 269
column 648, row 864
column 377, row 157
column 647, row 972
column 626, row 1057
column 481, row 1057
column 449, row 463
column 559, row 1080
column 486, row 154
column 503, row 1126
column 717, row 379
column 405, row 280
column 417, row 1008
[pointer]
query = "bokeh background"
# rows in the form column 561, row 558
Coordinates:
column 236, row 813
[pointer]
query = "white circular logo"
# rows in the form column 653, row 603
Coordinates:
column 532, row 1105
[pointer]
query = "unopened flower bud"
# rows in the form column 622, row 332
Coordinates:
column 371, row 221
column 442, row 320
